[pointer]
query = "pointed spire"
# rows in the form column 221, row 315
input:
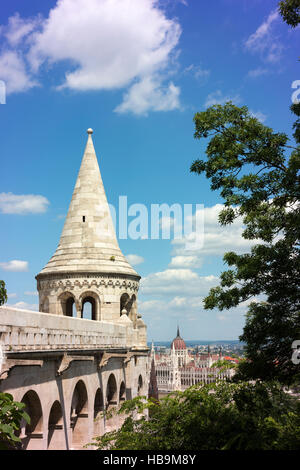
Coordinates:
column 178, row 333
column 153, row 388
column 88, row 241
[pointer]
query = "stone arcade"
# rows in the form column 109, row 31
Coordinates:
column 66, row 368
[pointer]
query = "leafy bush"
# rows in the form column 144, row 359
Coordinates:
column 11, row 415
column 223, row 416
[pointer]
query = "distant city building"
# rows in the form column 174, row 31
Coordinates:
column 179, row 369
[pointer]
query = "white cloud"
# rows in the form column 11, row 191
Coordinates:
column 177, row 293
column 150, row 305
column 24, row 306
column 222, row 317
column 264, row 42
column 177, row 281
column 258, row 115
column 134, row 260
column 149, row 94
column 23, row 204
column 198, row 72
column 185, row 262
column 258, row 72
column 103, row 45
column 217, row 97
column 14, row 265
column 187, row 302
column 31, row 293
column 18, row 28
column 110, row 42
column 256, row 39
column 13, row 73
column 11, row 295
column 191, row 251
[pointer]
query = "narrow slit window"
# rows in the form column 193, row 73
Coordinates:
column 83, row 218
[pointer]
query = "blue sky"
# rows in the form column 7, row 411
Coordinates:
column 136, row 71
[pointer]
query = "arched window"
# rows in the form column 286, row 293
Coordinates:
column 71, row 307
column 56, row 438
column 32, row 432
column 122, row 394
column 98, row 403
column 111, row 392
column 90, row 306
column 88, row 310
column 140, row 385
column 67, row 304
column 79, row 415
column 124, row 303
column 98, row 409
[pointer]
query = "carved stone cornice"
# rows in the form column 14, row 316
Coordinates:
column 9, row 364
column 107, row 356
column 87, row 281
column 67, row 359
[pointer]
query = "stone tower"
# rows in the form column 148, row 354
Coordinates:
column 88, row 265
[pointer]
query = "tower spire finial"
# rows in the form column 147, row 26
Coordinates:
column 89, row 226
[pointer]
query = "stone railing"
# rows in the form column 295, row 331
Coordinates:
column 25, row 330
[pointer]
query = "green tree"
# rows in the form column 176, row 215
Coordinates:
column 3, row 293
column 11, row 415
column 219, row 416
column 223, row 365
column 290, row 11
column 257, row 173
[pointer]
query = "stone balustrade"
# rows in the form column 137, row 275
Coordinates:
column 25, row 330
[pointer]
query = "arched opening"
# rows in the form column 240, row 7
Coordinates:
column 122, row 393
column 111, row 402
column 88, row 310
column 140, row 385
column 71, row 307
column 129, row 304
column 67, row 304
column 124, row 303
column 111, row 392
column 56, row 438
column 79, row 415
column 98, row 417
column 32, row 433
column 90, row 306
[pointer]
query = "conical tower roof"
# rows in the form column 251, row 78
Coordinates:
column 88, row 241
column 178, row 342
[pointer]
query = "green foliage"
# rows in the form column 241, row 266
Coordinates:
column 223, row 365
column 290, row 11
column 3, row 293
column 257, row 173
column 11, row 415
column 219, row 416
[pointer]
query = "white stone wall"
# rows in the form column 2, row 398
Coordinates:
column 29, row 330
column 45, row 365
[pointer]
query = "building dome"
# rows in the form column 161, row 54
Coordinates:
column 178, row 342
